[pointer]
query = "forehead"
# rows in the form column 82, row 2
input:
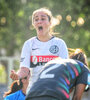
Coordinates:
column 41, row 14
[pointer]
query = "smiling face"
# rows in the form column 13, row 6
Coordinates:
column 41, row 23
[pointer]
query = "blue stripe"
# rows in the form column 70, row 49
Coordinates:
column 64, row 82
column 81, row 64
column 71, row 71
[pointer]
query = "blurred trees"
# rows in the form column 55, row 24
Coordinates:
column 16, row 22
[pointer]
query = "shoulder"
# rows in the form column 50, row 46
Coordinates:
column 80, row 63
column 58, row 40
column 29, row 42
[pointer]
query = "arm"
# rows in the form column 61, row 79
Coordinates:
column 79, row 89
column 63, row 50
column 24, row 63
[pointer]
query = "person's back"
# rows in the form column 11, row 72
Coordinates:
column 58, row 77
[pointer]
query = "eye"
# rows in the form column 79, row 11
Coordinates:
column 43, row 19
column 36, row 19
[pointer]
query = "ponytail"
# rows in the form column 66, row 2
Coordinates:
column 15, row 86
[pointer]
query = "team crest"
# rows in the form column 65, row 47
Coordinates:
column 54, row 49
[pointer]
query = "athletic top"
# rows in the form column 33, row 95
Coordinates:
column 16, row 96
column 36, row 53
column 58, row 77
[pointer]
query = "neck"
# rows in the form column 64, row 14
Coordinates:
column 45, row 38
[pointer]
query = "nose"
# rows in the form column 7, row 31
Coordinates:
column 39, row 21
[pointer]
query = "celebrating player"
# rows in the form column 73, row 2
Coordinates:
column 42, row 48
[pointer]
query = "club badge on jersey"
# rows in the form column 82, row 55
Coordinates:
column 54, row 49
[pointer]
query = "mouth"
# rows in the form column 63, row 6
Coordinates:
column 40, row 28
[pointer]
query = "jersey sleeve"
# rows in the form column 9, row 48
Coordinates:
column 25, row 55
column 84, row 78
column 63, row 50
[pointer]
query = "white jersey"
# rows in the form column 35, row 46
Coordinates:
column 36, row 53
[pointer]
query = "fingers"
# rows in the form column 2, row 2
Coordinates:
column 23, row 72
column 14, row 75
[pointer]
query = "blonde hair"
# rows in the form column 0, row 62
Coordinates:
column 54, row 21
column 78, row 54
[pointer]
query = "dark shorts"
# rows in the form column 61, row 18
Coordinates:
column 42, row 98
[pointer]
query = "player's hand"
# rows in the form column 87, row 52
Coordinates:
column 14, row 75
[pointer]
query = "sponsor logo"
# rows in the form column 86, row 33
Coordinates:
column 41, row 60
column 35, row 48
column 34, row 60
column 54, row 49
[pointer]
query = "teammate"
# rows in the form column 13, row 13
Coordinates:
column 59, row 76
column 18, row 89
column 42, row 48
column 78, row 54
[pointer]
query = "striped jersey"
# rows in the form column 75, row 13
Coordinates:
column 58, row 77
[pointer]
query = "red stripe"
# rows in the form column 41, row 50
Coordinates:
column 76, row 72
column 64, row 92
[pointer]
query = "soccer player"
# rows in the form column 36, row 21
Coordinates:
column 42, row 48
column 58, row 77
column 17, row 89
